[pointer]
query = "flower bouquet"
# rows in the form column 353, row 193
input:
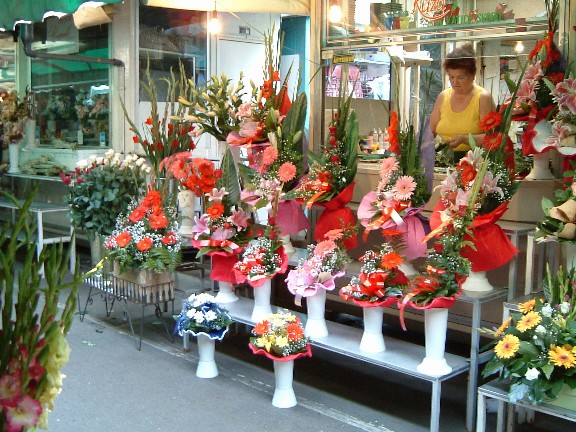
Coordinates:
column 313, row 276
column 535, row 348
column 167, row 133
column 224, row 229
column 202, row 315
column 13, row 114
column 145, row 245
column 100, row 189
column 535, row 101
column 399, row 197
column 281, row 338
column 330, row 180
column 261, row 260
column 564, row 121
column 204, row 318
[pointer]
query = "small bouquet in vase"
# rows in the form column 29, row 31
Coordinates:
column 202, row 315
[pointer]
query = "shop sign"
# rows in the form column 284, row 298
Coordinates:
column 438, row 10
column 343, row 58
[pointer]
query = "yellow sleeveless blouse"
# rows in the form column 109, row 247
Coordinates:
column 459, row 123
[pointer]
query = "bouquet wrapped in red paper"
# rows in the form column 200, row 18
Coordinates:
column 380, row 282
column 330, row 180
column 224, row 229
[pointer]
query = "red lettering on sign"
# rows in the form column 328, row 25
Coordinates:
column 429, row 8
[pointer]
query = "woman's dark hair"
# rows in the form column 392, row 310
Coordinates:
column 462, row 57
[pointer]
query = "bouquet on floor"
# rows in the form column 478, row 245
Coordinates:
column 202, row 315
column 262, row 258
column 380, row 282
column 330, row 180
column 399, row 197
column 535, row 348
column 147, row 237
column 280, row 336
column 325, row 262
column 559, row 223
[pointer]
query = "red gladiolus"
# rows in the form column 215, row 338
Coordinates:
column 149, row 121
column 144, row 245
column 135, row 139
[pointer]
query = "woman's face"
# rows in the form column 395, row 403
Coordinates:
column 460, row 80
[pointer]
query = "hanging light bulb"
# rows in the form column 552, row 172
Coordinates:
column 519, row 47
column 335, row 12
column 214, row 25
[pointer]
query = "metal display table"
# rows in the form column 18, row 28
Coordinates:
column 112, row 288
column 39, row 209
column 499, row 391
column 400, row 356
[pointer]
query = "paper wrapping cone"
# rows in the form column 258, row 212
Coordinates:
column 568, row 232
column 565, row 212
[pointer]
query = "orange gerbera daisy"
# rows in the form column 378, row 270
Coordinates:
column 123, row 239
column 215, row 211
column 503, row 327
column 492, row 141
column 528, row 321
column 144, row 245
column 562, row 356
column 507, row 347
column 158, row 220
column 295, row 332
column 261, row 328
column 391, row 260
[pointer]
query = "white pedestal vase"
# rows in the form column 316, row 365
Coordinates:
column 478, row 282
column 226, row 293
column 262, row 305
column 14, row 154
column 407, row 268
column 284, row 396
column 186, row 211
column 570, row 253
column 316, row 323
column 540, row 168
column 436, row 324
column 30, row 133
column 206, row 364
column 287, row 243
column 372, row 338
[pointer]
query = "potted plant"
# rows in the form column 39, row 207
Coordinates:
column 280, row 337
column 202, row 317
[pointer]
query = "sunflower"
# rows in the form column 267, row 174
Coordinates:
column 507, row 347
column 528, row 321
column 562, row 356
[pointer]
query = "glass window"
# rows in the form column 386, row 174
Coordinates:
column 7, row 59
column 71, row 96
column 168, row 37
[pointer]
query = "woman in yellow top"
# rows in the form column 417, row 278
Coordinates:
column 459, row 109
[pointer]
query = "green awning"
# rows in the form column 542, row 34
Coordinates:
column 13, row 11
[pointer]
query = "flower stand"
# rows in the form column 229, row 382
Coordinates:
column 284, row 396
column 262, row 305
column 372, row 338
column 540, row 168
column 206, row 364
column 436, row 324
column 225, row 293
column 477, row 282
column 316, row 323
column 13, row 154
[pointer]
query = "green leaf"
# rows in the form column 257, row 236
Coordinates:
column 229, row 178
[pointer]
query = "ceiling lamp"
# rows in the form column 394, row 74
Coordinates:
column 214, row 25
column 519, row 47
column 334, row 12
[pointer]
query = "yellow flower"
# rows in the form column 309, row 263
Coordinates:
column 281, row 341
column 528, row 321
column 507, row 347
column 503, row 327
column 562, row 356
column 527, row 306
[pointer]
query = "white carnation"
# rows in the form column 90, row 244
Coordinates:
column 532, row 374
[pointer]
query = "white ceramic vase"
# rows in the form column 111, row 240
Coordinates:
column 316, row 323
column 436, row 325
column 226, row 293
column 284, row 396
column 540, row 168
column 30, row 133
column 13, row 154
column 372, row 337
column 570, row 254
column 262, row 305
column 186, row 210
column 407, row 268
column 206, row 364
column 477, row 282
column 287, row 243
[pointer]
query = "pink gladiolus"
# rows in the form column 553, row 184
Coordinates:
column 10, row 389
column 23, row 415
